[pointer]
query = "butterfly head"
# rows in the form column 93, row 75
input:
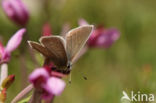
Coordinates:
column 69, row 65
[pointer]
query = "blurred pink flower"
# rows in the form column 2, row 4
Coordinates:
column 82, row 22
column 13, row 43
column 46, row 83
column 53, row 86
column 101, row 37
column 38, row 77
column 16, row 11
column 46, row 29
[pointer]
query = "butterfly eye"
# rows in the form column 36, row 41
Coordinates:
column 68, row 66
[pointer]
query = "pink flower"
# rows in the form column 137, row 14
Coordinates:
column 55, row 85
column 12, row 44
column 101, row 37
column 46, row 83
column 46, row 29
column 38, row 77
column 16, row 11
column 82, row 22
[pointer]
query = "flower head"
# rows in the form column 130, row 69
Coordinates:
column 16, row 11
column 13, row 43
column 38, row 77
column 46, row 83
column 101, row 37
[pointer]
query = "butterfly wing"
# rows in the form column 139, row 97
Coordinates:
column 76, row 39
column 40, row 48
column 56, row 45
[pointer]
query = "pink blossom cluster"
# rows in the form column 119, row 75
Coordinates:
column 48, row 85
column 101, row 37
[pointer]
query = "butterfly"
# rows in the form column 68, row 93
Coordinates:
column 63, row 51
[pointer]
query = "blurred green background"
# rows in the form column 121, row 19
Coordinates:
column 130, row 64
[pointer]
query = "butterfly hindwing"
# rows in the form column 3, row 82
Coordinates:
column 56, row 45
column 75, row 40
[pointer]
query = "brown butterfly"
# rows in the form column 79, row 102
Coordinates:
column 63, row 51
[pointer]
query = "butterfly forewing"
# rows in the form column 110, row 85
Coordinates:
column 38, row 47
column 56, row 45
column 75, row 40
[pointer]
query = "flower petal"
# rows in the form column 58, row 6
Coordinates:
column 15, row 40
column 1, row 50
column 4, row 57
column 82, row 22
column 103, row 38
column 55, row 85
column 107, row 38
column 38, row 77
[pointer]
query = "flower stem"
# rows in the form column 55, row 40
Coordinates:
column 4, row 72
column 22, row 94
column 23, row 71
column 36, row 97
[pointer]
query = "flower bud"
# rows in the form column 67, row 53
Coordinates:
column 8, row 81
column 16, row 11
column 46, row 29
